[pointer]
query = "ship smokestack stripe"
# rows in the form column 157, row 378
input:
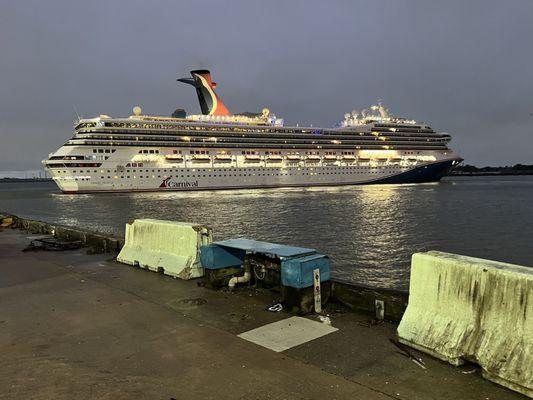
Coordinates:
column 210, row 103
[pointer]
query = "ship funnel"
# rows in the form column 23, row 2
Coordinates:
column 210, row 103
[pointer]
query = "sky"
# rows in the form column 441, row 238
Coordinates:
column 463, row 67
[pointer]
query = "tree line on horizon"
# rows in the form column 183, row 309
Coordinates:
column 514, row 169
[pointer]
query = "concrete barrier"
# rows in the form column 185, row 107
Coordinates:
column 166, row 246
column 468, row 309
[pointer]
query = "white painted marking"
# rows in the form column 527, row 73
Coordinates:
column 318, row 296
column 282, row 335
column 380, row 309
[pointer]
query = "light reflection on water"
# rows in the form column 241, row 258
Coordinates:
column 369, row 232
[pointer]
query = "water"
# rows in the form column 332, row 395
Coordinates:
column 369, row 232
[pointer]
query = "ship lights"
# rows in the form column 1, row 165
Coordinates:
column 377, row 113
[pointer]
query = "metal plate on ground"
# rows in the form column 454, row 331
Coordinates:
column 282, row 335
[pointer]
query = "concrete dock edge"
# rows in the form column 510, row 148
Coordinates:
column 95, row 241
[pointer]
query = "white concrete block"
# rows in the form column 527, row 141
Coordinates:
column 463, row 308
column 167, row 246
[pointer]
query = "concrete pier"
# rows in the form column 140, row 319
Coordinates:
column 82, row 326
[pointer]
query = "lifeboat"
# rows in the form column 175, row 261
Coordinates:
column 201, row 158
column 293, row 158
column 396, row 159
column 274, row 158
column 330, row 158
column 223, row 158
column 362, row 159
column 313, row 158
column 348, row 157
column 252, row 158
column 174, row 157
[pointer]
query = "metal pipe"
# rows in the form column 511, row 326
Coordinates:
column 239, row 279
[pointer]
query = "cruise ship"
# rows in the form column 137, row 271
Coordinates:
column 220, row 150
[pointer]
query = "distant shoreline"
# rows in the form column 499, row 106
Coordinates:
column 470, row 170
column 17, row 180
column 513, row 173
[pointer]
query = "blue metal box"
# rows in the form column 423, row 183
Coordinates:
column 217, row 257
column 273, row 249
column 298, row 272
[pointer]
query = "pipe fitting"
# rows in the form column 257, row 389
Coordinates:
column 239, row 279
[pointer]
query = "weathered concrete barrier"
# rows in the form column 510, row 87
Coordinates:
column 166, row 246
column 35, row 227
column 468, row 309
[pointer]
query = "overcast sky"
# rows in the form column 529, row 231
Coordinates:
column 464, row 67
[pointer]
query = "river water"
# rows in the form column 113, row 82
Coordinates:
column 369, row 232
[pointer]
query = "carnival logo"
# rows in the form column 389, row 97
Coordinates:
column 169, row 183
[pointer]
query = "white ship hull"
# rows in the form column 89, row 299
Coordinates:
column 127, row 171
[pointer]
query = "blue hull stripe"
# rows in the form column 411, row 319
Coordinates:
column 426, row 173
